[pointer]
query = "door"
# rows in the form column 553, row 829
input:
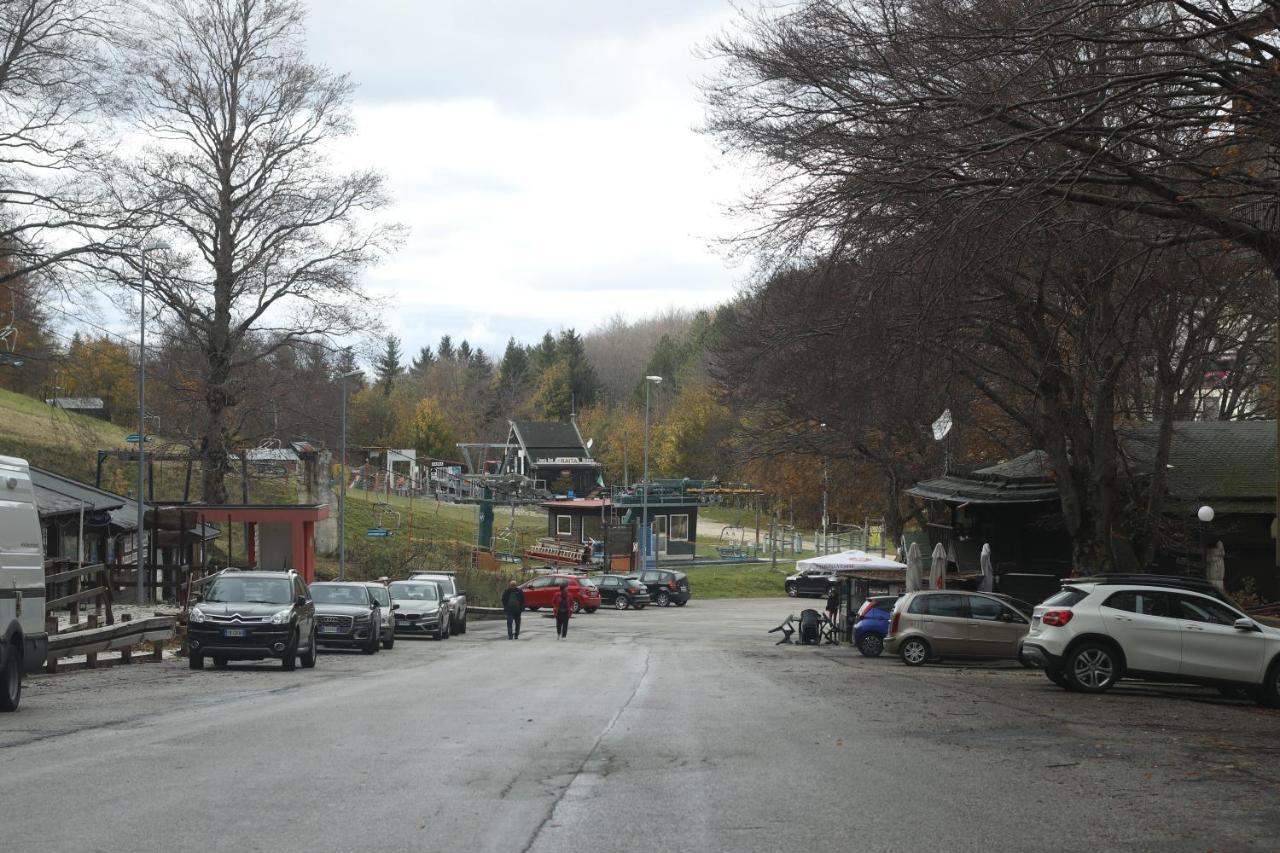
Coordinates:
column 660, row 534
column 994, row 629
column 1211, row 647
column 1142, row 623
column 946, row 622
column 538, row 593
column 608, row 589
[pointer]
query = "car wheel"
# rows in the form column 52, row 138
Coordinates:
column 11, row 684
column 1269, row 694
column 535, row 609
column 682, row 603
column 1058, row 677
column 312, row 652
column 915, row 651
column 437, row 634
column 390, row 639
column 463, row 629
column 591, row 609
column 289, row 661
column 791, row 590
column 1093, row 668
column 448, row 628
column 374, row 643
column 577, row 606
column 219, row 662
column 663, row 599
column 195, row 661
column 620, row 602
column 871, row 645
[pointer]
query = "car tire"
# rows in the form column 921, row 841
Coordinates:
column 535, row 609
column 871, row 645
column 791, row 590
column 463, row 628
column 915, row 651
column 437, row 634
column 219, row 662
column 1269, row 693
column 11, row 683
column 312, row 652
column 1058, row 677
column 662, row 599
column 1093, row 667
column 577, row 606
column 682, row 603
column 591, row 609
column 289, row 660
column 389, row 640
column 620, row 602
column 374, row 643
column 195, row 661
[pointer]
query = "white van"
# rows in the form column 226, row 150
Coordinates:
column 23, row 641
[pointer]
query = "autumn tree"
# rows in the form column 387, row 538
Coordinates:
column 261, row 235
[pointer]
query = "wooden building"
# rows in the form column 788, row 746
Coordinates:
column 554, row 454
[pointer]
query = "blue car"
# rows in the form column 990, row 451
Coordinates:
column 873, row 624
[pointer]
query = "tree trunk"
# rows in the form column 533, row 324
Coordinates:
column 215, row 455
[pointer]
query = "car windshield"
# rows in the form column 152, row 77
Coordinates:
column 354, row 596
column 446, row 585
column 251, row 591
column 410, row 591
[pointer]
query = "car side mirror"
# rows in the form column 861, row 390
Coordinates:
column 461, row 592
column 300, row 600
column 395, row 606
column 198, row 599
column 1246, row 625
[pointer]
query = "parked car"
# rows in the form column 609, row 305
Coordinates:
column 422, row 608
column 455, row 597
column 540, row 592
column 386, row 610
column 622, row 592
column 1096, row 631
column 348, row 615
column 814, row 582
column 253, row 616
column 871, row 624
column 950, row 623
column 23, row 641
column 666, row 587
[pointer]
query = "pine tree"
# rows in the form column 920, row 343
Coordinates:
column 425, row 359
column 583, row 382
column 445, row 352
column 465, row 352
column 387, row 366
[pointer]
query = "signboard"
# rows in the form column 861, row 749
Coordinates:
column 560, row 460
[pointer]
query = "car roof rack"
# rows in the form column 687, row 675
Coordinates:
column 1171, row 581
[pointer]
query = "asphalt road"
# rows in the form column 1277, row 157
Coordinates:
column 665, row 730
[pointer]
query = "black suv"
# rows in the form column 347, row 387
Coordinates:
column 252, row 616
column 665, row 587
column 622, row 592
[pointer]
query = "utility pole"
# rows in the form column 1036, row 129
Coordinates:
column 644, row 507
column 142, row 428
column 342, row 493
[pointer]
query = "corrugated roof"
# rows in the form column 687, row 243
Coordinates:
column 58, row 495
column 77, row 402
column 1026, row 479
column 548, row 440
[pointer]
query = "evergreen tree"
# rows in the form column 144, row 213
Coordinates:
column 544, row 355
column 583, row 383
column 464, row 351
column 425, row 359
column 445, row 352
column 387, row 366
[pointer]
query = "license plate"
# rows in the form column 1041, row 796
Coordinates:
column 234, row 632
column 330, row 629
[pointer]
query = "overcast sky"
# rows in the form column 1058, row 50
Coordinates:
column 544, row 156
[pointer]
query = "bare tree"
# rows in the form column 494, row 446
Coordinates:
column 264, row 239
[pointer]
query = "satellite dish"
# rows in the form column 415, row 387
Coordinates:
column 942, row 425
column 590, row 441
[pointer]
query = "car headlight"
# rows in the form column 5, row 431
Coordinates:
column 196, row 615
column 364, row 617
column 281, row 617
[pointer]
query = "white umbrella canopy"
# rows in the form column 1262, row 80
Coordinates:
column 988, row 571
column 1215, row 571
column 914, row 567
column 938, row 567
column 849, row 561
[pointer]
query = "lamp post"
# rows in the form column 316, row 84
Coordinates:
column 1205, row 514
column 644, row 507
column 142, row 421
column 825, row 479
column 342, row 485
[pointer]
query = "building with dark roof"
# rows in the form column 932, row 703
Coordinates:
column 553, row 453
column 94, row 407
column 1014, row 505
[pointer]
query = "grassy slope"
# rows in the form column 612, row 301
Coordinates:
column 54, row 439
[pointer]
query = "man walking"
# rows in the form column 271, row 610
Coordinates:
column 562, row 604
column 513, row 605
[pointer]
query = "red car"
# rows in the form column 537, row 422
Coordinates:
column 540, row 592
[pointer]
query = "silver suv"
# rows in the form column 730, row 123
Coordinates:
column 1096, row 631
column 453, row 596
column 387, row 610
column 954, row 623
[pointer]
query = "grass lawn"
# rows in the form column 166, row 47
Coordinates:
column 749, row 580
column 54, row 439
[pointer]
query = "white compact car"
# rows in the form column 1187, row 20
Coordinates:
column 1098, row 630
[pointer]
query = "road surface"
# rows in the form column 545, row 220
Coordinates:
column 664, row 730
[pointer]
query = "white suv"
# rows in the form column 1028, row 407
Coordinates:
column 1096, row 631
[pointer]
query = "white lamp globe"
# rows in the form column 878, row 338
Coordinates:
column 1205, row 514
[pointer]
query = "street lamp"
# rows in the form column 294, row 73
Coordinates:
column 825, row 478
column 1205, row 514
column 142, row 417
column 342, row 486
column 644, row 507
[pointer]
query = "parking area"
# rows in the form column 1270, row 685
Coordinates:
column 660, row 729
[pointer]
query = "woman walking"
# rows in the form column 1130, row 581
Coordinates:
column 562, row 605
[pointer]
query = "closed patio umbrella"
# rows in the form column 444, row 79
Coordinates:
column 988, row 571
column 938, row 568
column 1215, row 572
column 914, row 567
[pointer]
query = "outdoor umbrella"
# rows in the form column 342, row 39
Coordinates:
column 988, row 573
column 913, row 568
column 1215, row 570
column 938, row 568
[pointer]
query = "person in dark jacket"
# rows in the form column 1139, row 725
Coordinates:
column 833, row 605
column 562, row 606
column 513, row 606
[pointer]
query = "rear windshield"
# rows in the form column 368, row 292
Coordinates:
column 446, row 585
column 354, row 596
column 1065, row 597
column 414, row 591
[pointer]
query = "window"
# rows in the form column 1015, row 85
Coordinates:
column 1143, row 603
column 986, row 609
column 1205, row 610
column 542, row 583
column 919, row 604
column 660, row 525
column 1065, row 598
column 948, row 605
column 679, row 528
column 607, row 583
column 564, row 525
